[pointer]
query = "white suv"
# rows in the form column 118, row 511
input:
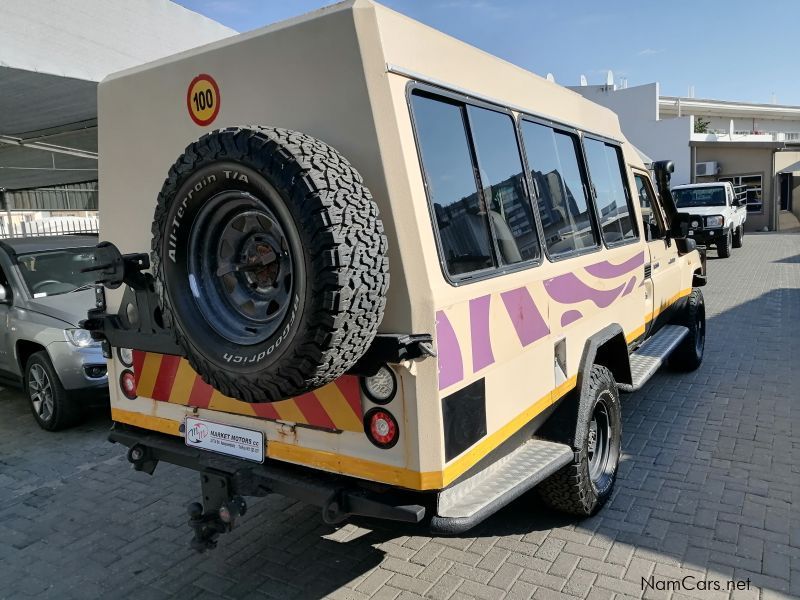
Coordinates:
column 722, row 211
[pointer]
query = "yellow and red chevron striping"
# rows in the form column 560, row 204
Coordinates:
column 166, row 378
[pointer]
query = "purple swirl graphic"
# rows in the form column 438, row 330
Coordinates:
column 482, row 355
column 526, row 318
column 570, row 317
column 607, row 270
column 568, row 289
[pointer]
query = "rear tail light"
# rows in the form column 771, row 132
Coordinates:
column 381, row 387
column 381, row 428
column 127, row 383
column 125, row 356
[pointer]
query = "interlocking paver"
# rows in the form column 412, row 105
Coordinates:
column 709, row 483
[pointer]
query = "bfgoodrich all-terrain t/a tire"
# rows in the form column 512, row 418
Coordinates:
column 270, row 261
column 582, row 487
column 689, row 354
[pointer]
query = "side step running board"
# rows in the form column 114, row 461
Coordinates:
column 469, row 502
column 652, row 354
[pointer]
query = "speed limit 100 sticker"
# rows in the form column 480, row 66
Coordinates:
column 202, row 99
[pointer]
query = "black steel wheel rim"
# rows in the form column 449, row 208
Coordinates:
column 241, row 267
column 599, row 446
column 700, row 333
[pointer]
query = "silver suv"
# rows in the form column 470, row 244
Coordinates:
column 43, row 296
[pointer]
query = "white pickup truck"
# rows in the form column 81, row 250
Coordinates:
column 722, row 210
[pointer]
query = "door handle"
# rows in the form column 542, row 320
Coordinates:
column 672, row 260
column 655, row 265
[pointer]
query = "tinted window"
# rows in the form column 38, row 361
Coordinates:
column 563, row 206
column 502, row 179
column 605, row 170
column 650, row 216
column 460, row 217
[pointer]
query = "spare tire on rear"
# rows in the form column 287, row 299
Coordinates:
column 270, row 262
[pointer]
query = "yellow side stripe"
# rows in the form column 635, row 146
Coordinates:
column 146, row 421
column 149, row 374
column 653, row 315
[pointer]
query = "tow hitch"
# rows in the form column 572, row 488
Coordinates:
column 217, row 514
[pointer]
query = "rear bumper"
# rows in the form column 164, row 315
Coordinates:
column 338, row 496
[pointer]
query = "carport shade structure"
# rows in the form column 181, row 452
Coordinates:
column 53, row 54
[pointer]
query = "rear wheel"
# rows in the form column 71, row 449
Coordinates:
column 50, row 404
column 689, row 354
column 738, row 238
column 585, row 485
column 724, row 247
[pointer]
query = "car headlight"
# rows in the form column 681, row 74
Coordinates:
column 80, row 338
column 715, row 221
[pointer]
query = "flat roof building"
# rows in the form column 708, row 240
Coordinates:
column 750, row 144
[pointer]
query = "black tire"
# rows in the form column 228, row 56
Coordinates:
column 50, row 403
column 582, row 487
column 724, row 249
column 689, row 354
column 287, row 255
column 738, row 238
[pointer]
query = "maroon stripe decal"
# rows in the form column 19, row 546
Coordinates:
column 526, row 318
column 351, row 390
column 166, row 376
column 607, row 270
column 265, row 410
column 138, row 362
column 313, row 412
column 200, row 395
column 568, row 289
column 482, row 355
column 451, row 367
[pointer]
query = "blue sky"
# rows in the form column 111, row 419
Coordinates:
column 730, row 50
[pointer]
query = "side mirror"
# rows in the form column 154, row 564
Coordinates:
column 681, row 224
column 5, row 295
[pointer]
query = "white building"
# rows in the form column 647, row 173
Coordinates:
column 756, row 145
column 52, row 55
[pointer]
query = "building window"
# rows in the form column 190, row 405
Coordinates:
column 610, row 192
column 503, row 181
column 751, row 185
column 446, row 157
column 553, row 157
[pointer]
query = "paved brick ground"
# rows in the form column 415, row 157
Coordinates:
column 709, row 486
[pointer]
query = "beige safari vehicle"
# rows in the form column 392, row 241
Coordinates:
column 357, row 262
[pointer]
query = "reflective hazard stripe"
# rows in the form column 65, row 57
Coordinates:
column 336, row 406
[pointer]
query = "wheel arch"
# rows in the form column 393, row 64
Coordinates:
column 608, row 348
column 24, row 349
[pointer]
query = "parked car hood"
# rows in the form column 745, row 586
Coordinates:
column 704, row 211
column 70, row 308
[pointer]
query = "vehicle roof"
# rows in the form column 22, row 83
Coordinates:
column 26, row 245
column 700, row 185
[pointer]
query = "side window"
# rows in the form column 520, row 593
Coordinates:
column 502, row 178
column 562, row 202
column 460, row 215
column 613, row 203
column 651, row 217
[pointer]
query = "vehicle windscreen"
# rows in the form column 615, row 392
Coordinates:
column 705, row 196
column 56, row 271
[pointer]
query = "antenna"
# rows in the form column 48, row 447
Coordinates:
column 584, row 82
column 550, row 77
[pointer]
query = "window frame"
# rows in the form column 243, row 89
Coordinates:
column 583, row 167
column 499, row 269
column 623, row 167
column 659, row 212
column 732, row 179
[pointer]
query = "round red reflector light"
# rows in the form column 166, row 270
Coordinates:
column 381, row 428
column 127, row 383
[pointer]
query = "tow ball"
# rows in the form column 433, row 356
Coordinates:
column 216, row 515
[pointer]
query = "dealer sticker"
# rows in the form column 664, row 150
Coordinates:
column 224, row 439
